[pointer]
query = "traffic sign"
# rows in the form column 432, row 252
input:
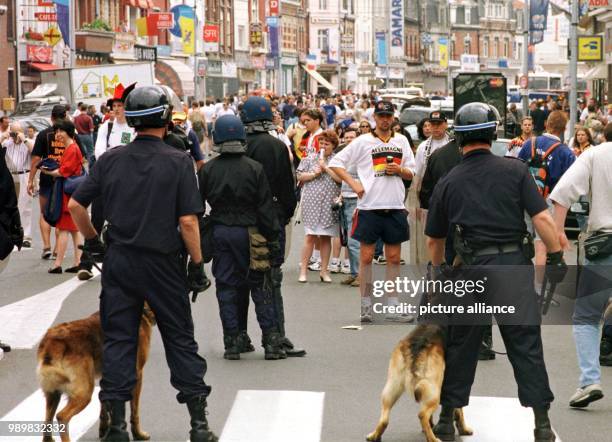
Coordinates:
column 524, row 82
column 52, row 35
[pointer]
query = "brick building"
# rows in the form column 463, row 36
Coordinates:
column 8, row 71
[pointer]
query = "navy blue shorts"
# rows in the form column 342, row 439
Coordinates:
column 390, row 225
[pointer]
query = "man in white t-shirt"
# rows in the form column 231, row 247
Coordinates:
column 111, row 134
column 418, row 247
column 383, row 160
column 368, row 114
column 225, row 110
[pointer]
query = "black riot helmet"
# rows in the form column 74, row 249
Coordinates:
column 148, row 106
column 476, row 122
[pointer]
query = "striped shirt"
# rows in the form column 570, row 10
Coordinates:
column 18, row 156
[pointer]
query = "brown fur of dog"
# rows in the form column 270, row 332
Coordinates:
column 69, row 362
column 417, row 366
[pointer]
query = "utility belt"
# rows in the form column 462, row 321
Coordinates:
column 468, row 252
column 21, row 172
column 598, row 245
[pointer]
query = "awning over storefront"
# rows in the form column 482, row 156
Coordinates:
column 176, row 75
column 319, row 78
column 599, row 72
column 44, row 66
column 141, row 4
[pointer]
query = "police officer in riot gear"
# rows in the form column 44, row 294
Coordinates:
column 272, row 154
column 484, row 199
column 241, row 212
column 151, row 201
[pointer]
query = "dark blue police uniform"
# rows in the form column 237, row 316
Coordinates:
column 145, row 186
column 493, row 225
column 236, row 205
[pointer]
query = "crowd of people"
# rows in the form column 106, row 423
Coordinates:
column 342, row 167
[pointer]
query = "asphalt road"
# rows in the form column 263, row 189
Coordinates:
column 349, row 366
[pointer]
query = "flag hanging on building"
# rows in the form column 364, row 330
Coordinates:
column 179, row 11
column 381, row 49
column 443, row 51
column 538, row 14
column 272, row 23
column 63, row 19
column 187, row 34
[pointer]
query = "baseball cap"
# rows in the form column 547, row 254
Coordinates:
column 180, row 116
column 384, row 108
column 437, row 116
column 58, row 111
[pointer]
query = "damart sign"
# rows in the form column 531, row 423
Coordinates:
column 396, row 27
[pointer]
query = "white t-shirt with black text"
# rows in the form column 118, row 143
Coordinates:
column 368, row 154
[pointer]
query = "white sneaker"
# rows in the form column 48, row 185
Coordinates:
column 334, row 268
column 315, row 266
column 346, row 269
column 366, row 315
column 585, row 395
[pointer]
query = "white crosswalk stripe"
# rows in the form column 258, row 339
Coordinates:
column 33, row 409
column 26, row 321
column 501, row 419
column 275, row 416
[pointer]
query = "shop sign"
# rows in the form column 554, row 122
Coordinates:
column 145, row 53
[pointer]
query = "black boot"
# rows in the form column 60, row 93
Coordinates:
column 244, row 342
column 290, row 349
column 232, row 349
column 605, row 351
column 543, row 431
column 271, row 342
column 445, row 428
column 117, row 429
column 486, row 353
column 199, row 424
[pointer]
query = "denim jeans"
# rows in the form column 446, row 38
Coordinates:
column 589, row 308
column 349, row 205
column 87, row 141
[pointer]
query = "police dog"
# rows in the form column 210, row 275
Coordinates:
column 69, row 362
column 417, row 366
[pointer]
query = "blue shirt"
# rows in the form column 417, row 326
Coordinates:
column 559, row 160
column 330, row 114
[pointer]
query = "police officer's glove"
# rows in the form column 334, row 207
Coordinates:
column 556, row 268
column 196, row 278
column 16, row 231
column 93, row 250
column 275, row 249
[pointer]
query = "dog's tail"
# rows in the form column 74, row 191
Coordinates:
column 51, row 375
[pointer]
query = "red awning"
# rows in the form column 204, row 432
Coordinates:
column 44, row 66
column 141, row 4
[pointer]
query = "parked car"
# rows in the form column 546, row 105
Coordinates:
column 37, row 122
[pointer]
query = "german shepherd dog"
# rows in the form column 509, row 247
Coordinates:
column 69, row 362
column 417, row 366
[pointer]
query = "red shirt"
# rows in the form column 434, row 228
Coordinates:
column 84, row 124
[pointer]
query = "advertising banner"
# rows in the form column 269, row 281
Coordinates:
column 211, row 38
column 273, row 35
column 381, row 49
column 538, row 13
column 333, row 38
column 443, row 51
column 396, row 27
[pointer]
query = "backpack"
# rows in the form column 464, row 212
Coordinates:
column 538, row 167
column 197, row 122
